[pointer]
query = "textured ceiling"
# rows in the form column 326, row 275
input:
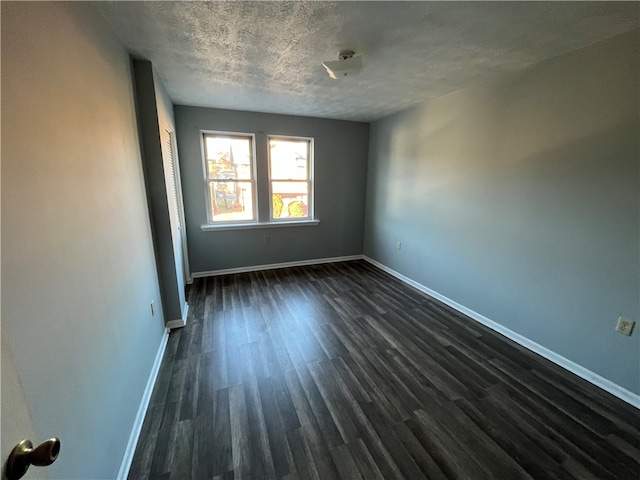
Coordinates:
column 266, row 56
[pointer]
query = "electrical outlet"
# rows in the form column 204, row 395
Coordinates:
column 399, row 246
column 625, row 326
column 153, row 309
column 267, row 239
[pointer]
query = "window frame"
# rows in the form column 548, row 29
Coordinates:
column 310, row 180
column 207, row 181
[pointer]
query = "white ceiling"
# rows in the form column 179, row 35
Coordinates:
column 266, row 56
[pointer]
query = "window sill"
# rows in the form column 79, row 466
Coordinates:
column 247, row 226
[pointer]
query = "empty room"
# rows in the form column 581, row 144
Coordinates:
column 320, row 240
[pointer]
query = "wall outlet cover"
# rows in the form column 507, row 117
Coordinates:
column 625, row 326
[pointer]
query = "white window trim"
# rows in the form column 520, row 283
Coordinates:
column 254, row 179
column 310, row 180
column 244, row 226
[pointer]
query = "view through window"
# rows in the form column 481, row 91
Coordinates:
column 232, row 181
column 230, row 177
column 290, row 178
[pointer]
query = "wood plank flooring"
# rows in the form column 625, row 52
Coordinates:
column 340, row 371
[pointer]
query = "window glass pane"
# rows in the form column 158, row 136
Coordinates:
column 228, row 157
column 289, row 159
column 290, row 199
column 231, row 201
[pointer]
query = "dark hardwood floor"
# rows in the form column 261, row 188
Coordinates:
column 341, row 371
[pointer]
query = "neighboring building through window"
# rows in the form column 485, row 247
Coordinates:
column 290, row 178
column 230, row 176
column 233, row 191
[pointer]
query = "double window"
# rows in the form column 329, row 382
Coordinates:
column 237, row 191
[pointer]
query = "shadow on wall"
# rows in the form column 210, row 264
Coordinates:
column 546, row 246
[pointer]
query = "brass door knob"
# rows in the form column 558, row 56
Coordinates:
column 24, row 455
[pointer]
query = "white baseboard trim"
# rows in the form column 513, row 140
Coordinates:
column 273, row 266
column 607, row 385
column 180, row 322
column 123, row 472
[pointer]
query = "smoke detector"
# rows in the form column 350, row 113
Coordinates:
column 348, row 63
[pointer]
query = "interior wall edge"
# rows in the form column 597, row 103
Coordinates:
column 179, row 322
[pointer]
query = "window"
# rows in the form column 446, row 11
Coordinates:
column 230, row 179
column 290, row 178
column 268, row 187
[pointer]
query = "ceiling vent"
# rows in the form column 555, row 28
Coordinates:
column 348, row 64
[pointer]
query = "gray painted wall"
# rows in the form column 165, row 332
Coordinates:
column 155, row 116
column 340, row 175
column 78, row 270
column 519, row 199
